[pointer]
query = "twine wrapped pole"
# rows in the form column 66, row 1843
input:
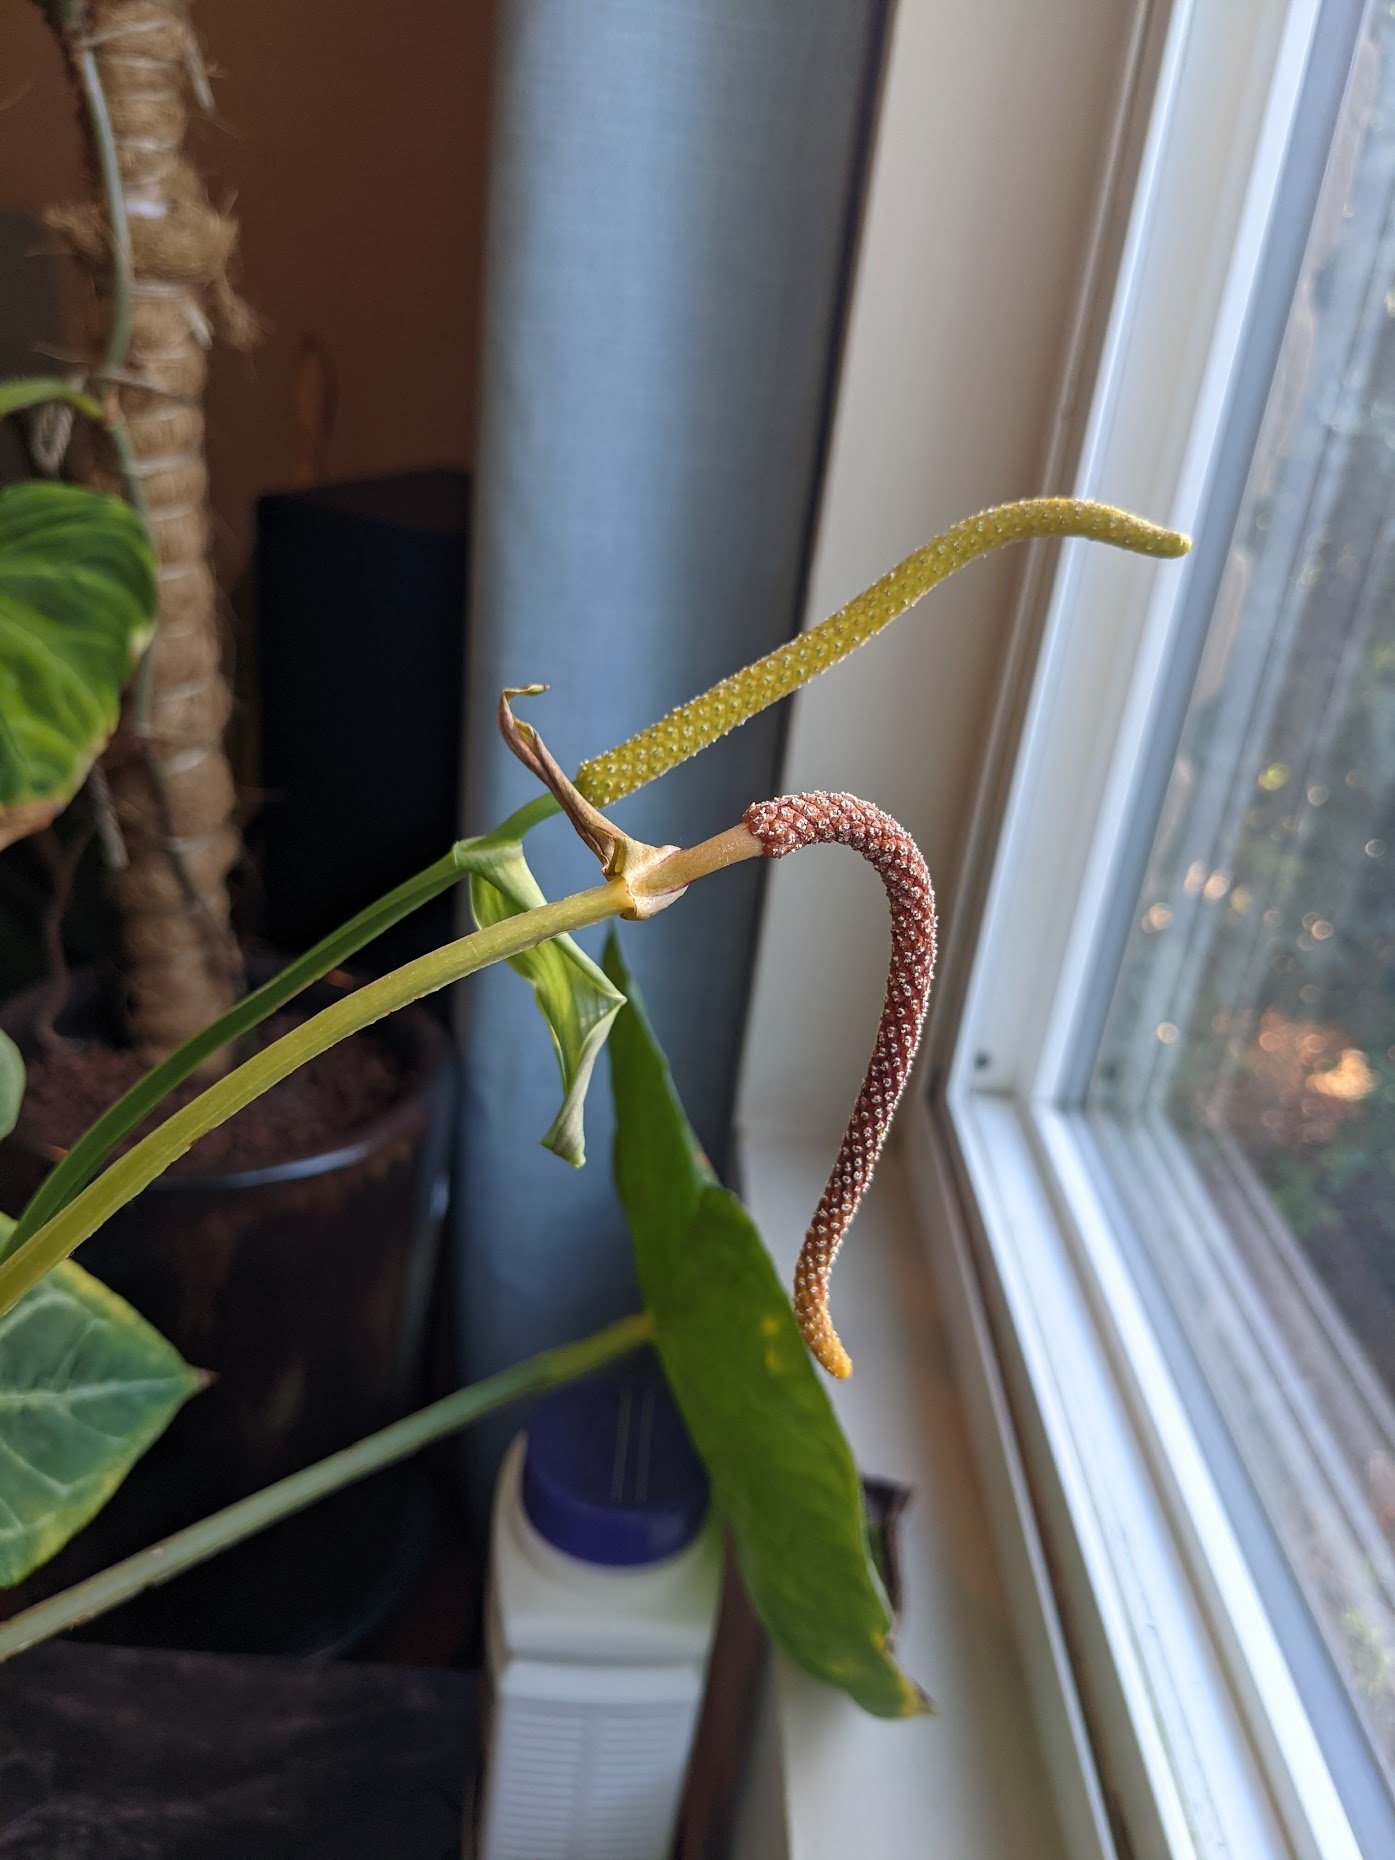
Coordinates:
column 161, row 292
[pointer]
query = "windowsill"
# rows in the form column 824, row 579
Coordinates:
column 1197, row 1715
column 834, row 1780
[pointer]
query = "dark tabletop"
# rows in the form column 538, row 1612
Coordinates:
column 109, row 1753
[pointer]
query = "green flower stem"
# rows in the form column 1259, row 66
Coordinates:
column 605, row 778
column 129, row 1174
column 96, row 1143
column 197, row 1542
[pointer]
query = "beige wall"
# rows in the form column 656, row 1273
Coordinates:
column 353, row 139
column 991, row 154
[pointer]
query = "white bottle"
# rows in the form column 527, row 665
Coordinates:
column 605, row 1578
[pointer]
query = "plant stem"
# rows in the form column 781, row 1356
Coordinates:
column 119, row 434
column 129, row 1174
column 62, row 863
column 35, row 390
column 693, row 862
column 896, row 590
column 123, row 270
column 114, row 197
column 197, row 1542
column 96, row 1143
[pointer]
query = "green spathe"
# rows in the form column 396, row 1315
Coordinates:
column 782, row 1473
column 576, row 999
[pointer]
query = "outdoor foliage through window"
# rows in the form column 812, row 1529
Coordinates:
column 1245, row 1087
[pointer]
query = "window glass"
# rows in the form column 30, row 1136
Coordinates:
column 1245, row 1085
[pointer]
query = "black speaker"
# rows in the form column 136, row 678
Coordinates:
column 360, row 667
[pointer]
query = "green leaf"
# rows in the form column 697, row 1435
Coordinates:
column 86, row 1385
column 754, row 1403
column 34, row 390
column 77, row 596
column 11, row 1084
column 577, row 1001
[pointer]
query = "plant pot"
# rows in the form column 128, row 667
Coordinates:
column 304, row 1286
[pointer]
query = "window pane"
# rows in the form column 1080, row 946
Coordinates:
column 1245, row 1087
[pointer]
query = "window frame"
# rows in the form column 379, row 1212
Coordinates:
column 1194, row 1716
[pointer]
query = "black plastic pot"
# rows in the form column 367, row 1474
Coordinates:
column 305, row 1288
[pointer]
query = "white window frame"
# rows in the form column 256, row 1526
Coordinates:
column 1198, row 1725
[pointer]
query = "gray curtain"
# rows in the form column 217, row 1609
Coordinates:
column 673, row 198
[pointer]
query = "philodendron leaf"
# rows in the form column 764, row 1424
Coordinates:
column 11, row 1085
column 86, row 1385
column 77, row 597
column 782, row 1472
column 577, row 1001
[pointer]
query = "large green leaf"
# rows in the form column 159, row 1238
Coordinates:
column 77, row 597
column 85, row 1386
column 782, row 1472
column 577, row 1001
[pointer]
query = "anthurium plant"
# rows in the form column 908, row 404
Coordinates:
column 86, row 1384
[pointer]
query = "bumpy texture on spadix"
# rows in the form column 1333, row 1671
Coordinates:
column 683, row 732
column 783, row 826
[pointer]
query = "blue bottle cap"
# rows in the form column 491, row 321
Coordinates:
column 609, row 1474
